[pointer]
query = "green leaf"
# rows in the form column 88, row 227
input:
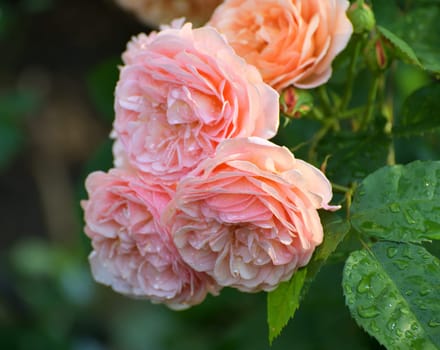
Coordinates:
column 283, row 302
column 393, row 293
column 419, row 28
column 335, row 230
column 416, row 24
column 351, row 156
column 400, row 203
column 386, row 12
column 421, row 112
column 402, row 49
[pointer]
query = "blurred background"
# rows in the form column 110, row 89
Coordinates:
column 57, row 75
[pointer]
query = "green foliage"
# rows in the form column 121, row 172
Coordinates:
column 417, row 25
column 336, row 229
column 419, row 28
column 365, row 126
column 420, row 112
column 283, row 302
column 351, row 157
column 401, row 48
column 392, row 291
column 400, row 203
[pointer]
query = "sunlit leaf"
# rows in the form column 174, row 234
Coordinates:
column 393, row 293
column 400, row 203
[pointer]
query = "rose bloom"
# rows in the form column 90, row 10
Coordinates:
column 120, row 159
column 248, row 216
column 154, row 12
column 183, row 91
column 289, row 41
column 133, row 253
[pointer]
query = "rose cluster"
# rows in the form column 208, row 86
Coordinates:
column 198, row 198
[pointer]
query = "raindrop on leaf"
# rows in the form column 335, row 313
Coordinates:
column 391, row 252
column 434, row 323
column 364, row 285
column 368, row 312
column 395, row 208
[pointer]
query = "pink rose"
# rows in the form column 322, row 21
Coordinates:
column 248, row 216
column 120, row 159
column 133, row 253
column 289, row 41
column 183, row 91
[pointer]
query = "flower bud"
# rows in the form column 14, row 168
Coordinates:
column 378, row 55
column 362, row 18
column 295, row 103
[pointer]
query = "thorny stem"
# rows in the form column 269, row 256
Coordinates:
column 317, row 113
column 340, row 188
column 351, row 74
column 371, row 102
column 318, row 136
column 388, row 111
column 349, row 191
column 365, row 245
column 325, row 99
column 389, row 115
column 349, row 113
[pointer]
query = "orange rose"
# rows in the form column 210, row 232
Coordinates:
column 291, row 42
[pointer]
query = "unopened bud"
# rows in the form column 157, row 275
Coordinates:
column 362, row 18
column 295, row 103
column 378, row 55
